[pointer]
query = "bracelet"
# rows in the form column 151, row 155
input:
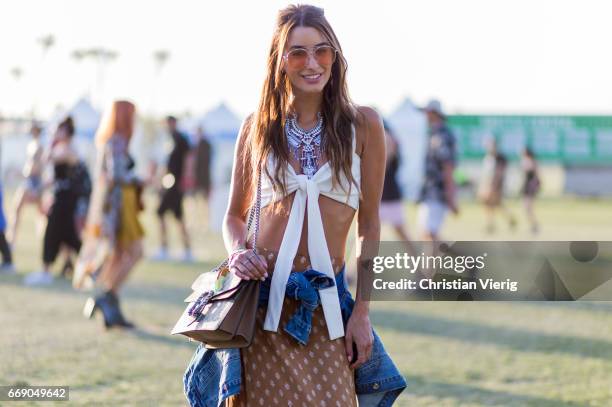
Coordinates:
column 239, row 249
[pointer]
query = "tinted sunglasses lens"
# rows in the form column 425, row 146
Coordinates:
column 297, row 58
column 325, row 55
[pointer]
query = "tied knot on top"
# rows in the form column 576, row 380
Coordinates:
column 303, row 182
column 304, row 286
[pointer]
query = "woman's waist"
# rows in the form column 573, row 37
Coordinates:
column 301, row 262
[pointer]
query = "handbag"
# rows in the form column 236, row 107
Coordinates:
column 222, row 308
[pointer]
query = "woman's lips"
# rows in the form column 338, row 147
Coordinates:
column 312, row 79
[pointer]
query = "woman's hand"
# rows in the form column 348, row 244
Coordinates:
column 248, row 265
column 359, row 331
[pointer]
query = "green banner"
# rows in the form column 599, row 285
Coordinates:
column 566, row 139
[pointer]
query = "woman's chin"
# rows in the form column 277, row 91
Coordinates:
column 309, row 89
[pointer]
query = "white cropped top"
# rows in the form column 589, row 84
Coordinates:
column 307, row 193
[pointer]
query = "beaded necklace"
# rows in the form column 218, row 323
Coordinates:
column 305, row 145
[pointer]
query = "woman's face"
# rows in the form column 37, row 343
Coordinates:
column 60, row 134
column 310, row 77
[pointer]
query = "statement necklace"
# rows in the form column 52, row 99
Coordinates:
column 305, row 145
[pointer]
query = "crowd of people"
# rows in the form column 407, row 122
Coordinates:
column 92, row 223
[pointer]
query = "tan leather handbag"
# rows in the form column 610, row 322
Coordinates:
column 222, row 308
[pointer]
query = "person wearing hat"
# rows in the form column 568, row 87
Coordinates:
column 437, row 195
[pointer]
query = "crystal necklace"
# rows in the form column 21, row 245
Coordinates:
column 308, row 140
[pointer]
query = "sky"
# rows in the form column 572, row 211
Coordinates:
column 476, row 56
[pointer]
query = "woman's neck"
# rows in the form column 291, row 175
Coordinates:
column 306, row 106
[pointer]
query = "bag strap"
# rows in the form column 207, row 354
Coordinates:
column 254, row 214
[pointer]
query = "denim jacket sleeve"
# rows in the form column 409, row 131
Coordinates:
column 378, row 382
column 212, row 376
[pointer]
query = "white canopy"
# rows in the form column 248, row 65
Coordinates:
column 410, row 127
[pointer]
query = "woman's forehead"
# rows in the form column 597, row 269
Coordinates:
column 305, row 37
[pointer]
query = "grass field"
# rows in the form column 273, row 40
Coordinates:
column 452, row 354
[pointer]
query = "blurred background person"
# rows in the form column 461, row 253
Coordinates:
column 32, row 189
column 61, row 228
column 203, row 157
column 491, row 187
column 7, row 259
column 531, row 186
column 391, row 209
column 171, row 194
column 113, row 232
column 438, row 192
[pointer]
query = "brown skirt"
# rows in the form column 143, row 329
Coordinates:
column 278, row 371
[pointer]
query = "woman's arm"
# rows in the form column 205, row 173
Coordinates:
column 359, row 329
column 368, row 220
column 242, row 262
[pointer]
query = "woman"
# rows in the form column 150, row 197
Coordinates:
column 61, row 228
column 326, row 150
column 531, row 186
column 113, row 234
column 491, row 189
column 31, row 191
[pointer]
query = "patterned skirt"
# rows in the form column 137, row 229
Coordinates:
column 278, row 371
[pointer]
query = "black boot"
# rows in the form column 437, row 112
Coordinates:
column 120, row 319
column 103, row 304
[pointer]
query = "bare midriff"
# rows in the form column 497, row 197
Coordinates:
column 336, row 217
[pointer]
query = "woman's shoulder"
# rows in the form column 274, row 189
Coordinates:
column 368, row 125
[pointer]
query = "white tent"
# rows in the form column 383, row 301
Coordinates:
column 410, row 127
column 221, row 123
column 86, row 118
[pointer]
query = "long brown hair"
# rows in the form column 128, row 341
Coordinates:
column 119, row 119
column 267, row 124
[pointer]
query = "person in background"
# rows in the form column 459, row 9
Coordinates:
column 438, row 192
column 7, row 266
column 391, row 209
column 32, row 189
column 171, row 193
column 203, row 156
column 112, row 221
column 491, row 188
column 531, row 186
column 61, row 227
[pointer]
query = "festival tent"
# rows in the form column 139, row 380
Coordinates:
column 410, row 127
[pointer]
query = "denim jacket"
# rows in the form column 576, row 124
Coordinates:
column 215, row 374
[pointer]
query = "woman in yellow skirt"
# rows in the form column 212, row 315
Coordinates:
column 113, row 234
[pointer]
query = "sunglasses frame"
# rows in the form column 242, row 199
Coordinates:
column 311, row 53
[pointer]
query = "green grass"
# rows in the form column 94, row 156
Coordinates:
column 453, row 354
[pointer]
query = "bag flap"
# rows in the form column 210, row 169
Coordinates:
column 223, row 287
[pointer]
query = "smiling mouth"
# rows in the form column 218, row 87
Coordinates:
column 312, row 77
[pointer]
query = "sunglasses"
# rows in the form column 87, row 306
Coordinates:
column 297, row 58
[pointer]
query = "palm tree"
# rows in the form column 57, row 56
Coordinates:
column 17, row 74
column 101, row 57
column 46, row 42
column 160, row 58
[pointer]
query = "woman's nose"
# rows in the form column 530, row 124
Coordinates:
column 312, row 61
